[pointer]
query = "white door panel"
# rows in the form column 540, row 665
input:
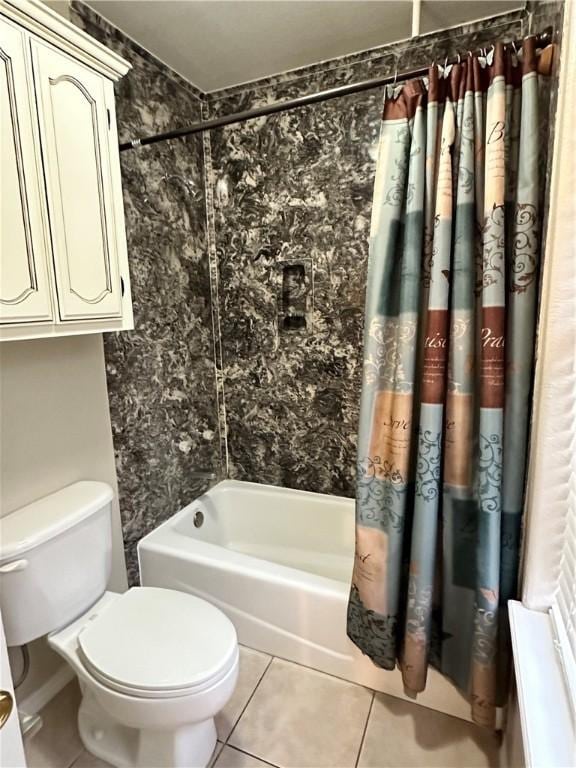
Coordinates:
column 74, row 137
column 24, row 257
column 11, row 749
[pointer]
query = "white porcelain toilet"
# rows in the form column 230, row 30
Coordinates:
column 154, row 665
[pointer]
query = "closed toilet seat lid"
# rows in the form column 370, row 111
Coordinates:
column 154, row 642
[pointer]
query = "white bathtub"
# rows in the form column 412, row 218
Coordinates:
column 278, row 562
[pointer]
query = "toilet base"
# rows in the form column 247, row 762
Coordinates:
column 190, row 746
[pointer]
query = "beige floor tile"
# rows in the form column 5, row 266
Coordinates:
column 300, row 718
column 252, row 667
column 405, row 735
column 57, row 744
column 232, row 758
column 88, row 760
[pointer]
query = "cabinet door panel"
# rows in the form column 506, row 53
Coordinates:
column 75, row 149
column 24, row 250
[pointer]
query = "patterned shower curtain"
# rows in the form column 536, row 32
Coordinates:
column 448, row 355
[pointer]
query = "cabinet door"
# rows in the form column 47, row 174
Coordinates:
column 24, row 254
column 74, row 125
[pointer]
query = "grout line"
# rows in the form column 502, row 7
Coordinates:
column 249, row 700
column 250, row 754
column 215, row 309
column 330, row 674
column 216, row 754
column 75, row 760
column 365, row 729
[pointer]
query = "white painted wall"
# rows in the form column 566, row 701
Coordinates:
column 218, row 44
column 55, row 429
column 60, row 6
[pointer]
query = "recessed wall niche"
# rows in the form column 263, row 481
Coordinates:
column 295, row 297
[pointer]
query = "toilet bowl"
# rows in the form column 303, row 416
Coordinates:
column 154, row 665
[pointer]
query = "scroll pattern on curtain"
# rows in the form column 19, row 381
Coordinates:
column 448, row 357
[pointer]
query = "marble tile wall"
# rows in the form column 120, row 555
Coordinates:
column 161, row 376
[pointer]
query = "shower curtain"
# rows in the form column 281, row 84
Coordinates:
column 448, row 355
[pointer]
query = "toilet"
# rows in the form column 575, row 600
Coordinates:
column 154, row 665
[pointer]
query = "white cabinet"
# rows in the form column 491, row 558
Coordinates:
column 25, row 294
column 74, row 135
column 63, row 260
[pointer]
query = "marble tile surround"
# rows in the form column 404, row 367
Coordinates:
column 161, row 376
column 208, row 382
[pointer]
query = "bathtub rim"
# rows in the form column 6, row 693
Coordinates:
column 165, row 538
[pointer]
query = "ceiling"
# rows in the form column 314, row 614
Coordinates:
column 218, row 43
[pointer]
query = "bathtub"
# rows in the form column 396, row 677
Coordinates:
column 278, row 562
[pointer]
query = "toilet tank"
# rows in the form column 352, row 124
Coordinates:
column 55, row 559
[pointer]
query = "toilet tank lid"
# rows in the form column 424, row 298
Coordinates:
column 29, row 526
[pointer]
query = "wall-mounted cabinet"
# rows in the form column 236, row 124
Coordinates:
column 63, row 260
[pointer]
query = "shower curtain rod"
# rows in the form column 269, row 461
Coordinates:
column 542, row 40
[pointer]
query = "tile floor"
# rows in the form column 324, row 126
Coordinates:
column 287, row 716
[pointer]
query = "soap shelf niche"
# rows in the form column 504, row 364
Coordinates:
column 295, row 295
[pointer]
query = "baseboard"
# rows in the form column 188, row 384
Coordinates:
column 38, row 699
